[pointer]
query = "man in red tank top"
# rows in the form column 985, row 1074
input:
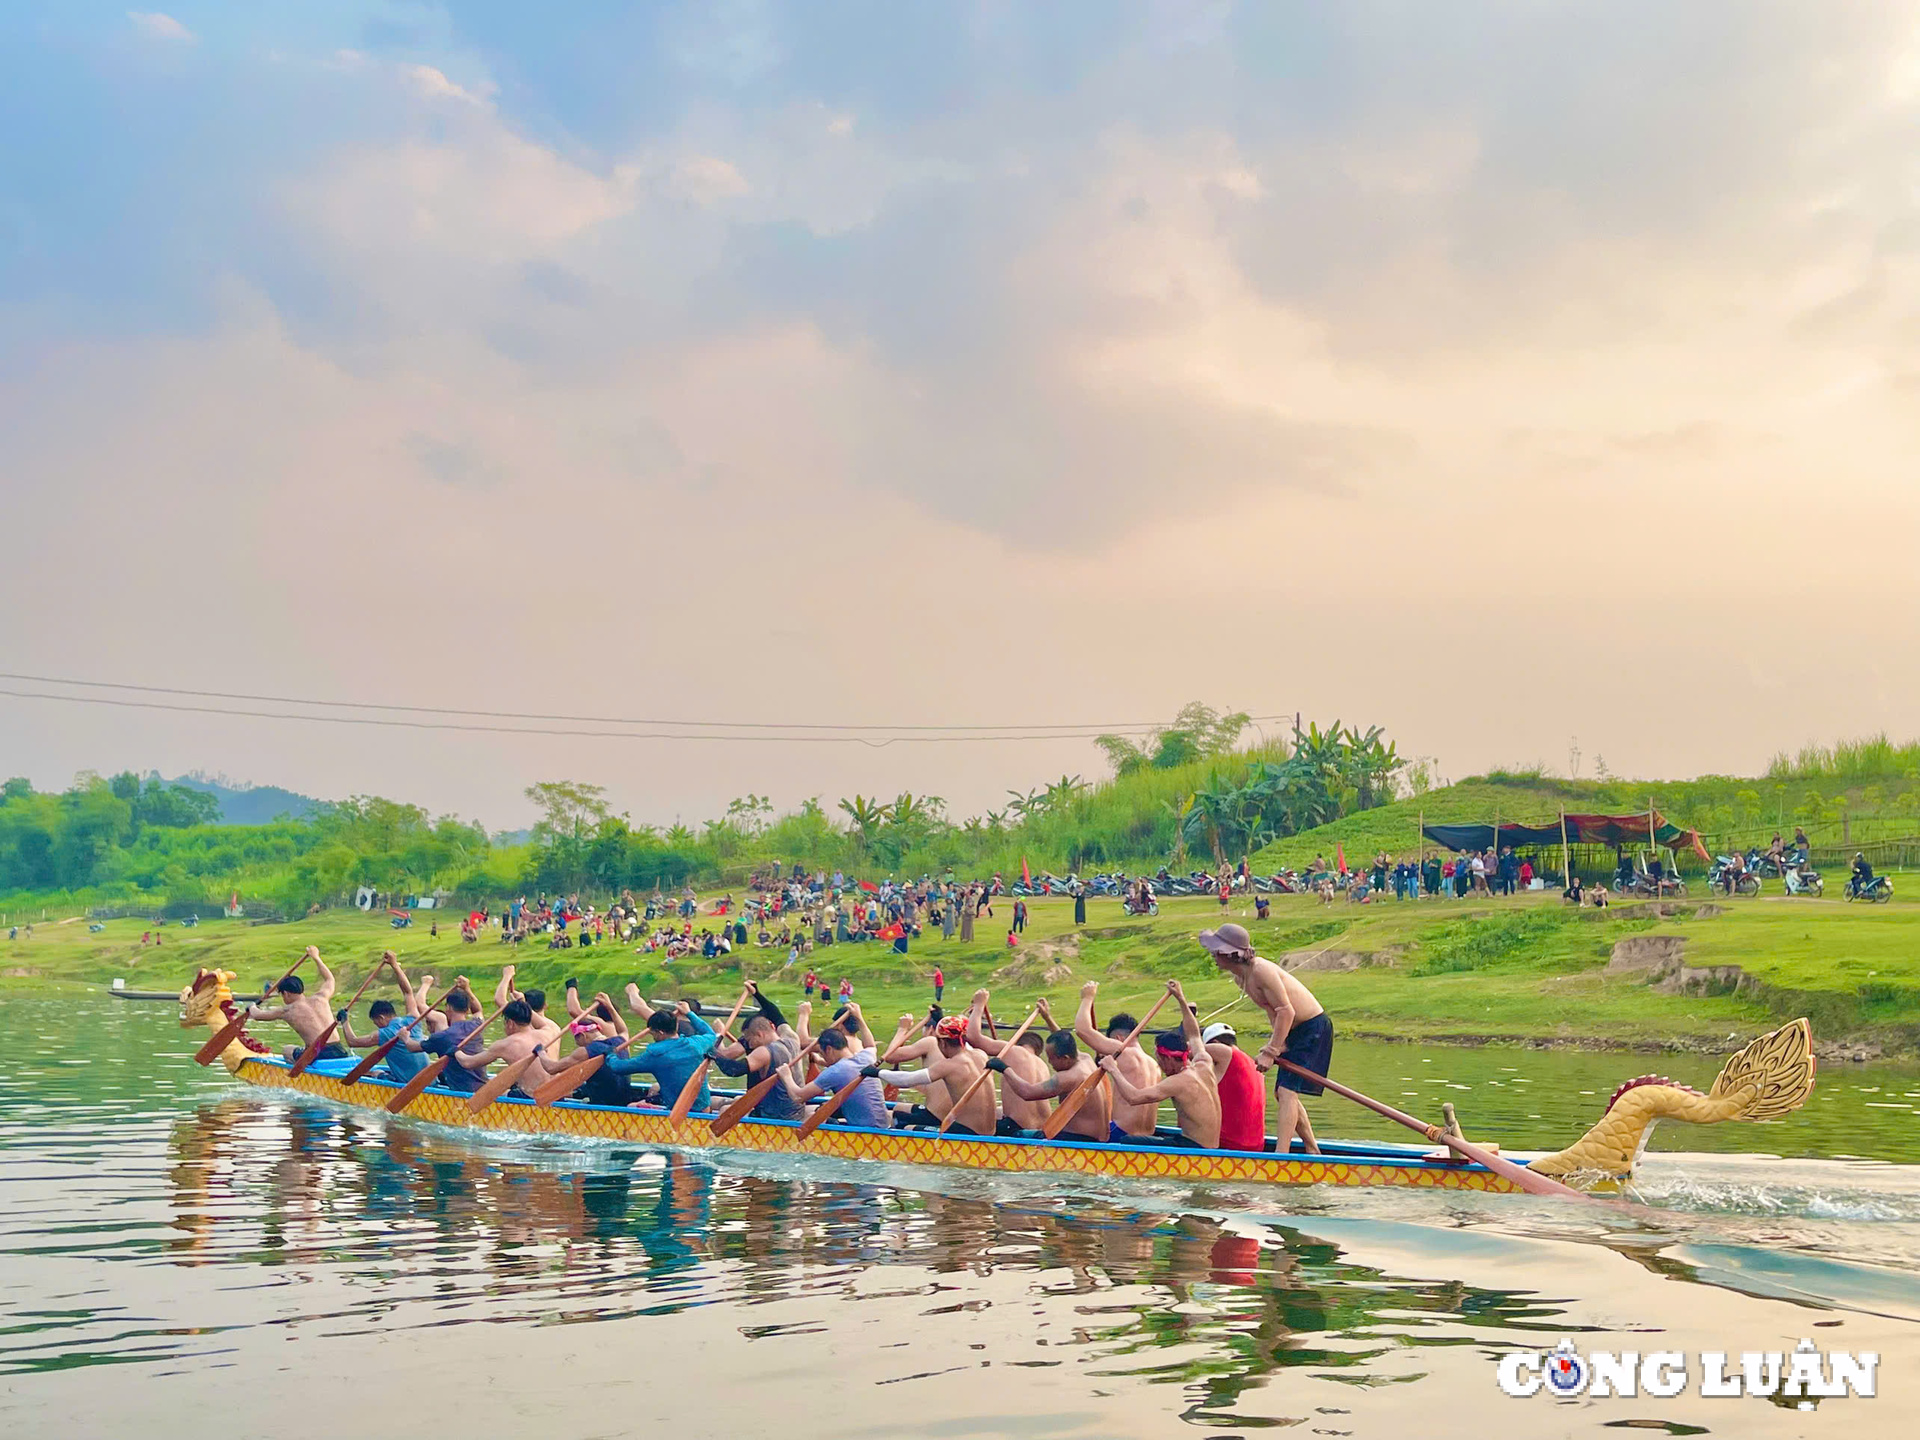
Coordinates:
column 1243, row 1099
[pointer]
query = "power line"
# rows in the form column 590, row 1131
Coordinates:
column 392, row 723
column 1085, row 730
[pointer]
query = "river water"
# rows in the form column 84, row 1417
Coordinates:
column 180, row 1256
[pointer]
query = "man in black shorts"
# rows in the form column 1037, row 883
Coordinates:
column 1302, row 1032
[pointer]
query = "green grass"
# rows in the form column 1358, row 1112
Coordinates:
column 1519, row 970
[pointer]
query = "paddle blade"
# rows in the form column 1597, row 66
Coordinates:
column 312, row 1052
column 828, row 1107
column 567, row 1081
column 689, row 1093
column 225, row 1036
column 380, row 1052
column 498, row 1085
column 737, row 1111
column 410, row 1092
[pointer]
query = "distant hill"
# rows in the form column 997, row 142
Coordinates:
column 244, row 804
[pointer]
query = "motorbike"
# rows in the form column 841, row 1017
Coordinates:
column 1747, row 883
column 1799, row 880
column 1876, row 891
column 1133, row 906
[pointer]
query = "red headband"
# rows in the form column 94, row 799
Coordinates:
column 1165, row 1054
column 953, row 1027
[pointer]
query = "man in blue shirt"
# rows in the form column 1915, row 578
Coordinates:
column 670, row 1057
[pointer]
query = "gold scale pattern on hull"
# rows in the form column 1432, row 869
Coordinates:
column 900, row 1148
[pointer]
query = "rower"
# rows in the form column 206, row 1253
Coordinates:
column 456, row 1034
column 597, row 1031
column 308, row 1015
column 759, row 1049
column 1243, row 1101
column 670, row 1056
column 516, row 1044
column 546, row 1032
column 1302, row 1030
column 1017, row 1116
column 1187, row 1079
column 402, row 1064
column 1128, row 1120
column 951, row 1072
column 1068, row 1066
column 867, row 1104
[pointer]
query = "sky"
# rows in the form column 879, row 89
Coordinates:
column 1514, row 376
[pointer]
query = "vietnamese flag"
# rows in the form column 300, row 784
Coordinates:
column 892, row 932
column 1026, row 875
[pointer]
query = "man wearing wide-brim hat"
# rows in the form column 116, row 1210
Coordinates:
column 1302, row 1031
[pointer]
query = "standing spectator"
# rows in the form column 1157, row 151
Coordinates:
column 1079, row 903
column 939, row 984
column 1526, row 874
column 1019, row 916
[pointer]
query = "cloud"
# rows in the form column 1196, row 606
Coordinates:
column 1224, row 352
column 155, row 25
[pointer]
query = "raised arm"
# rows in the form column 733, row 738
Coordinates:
column 637, row 1003
column 976, row 1032
column 324, row 991
column 867, row 1041
column 504, row 991
column 1189, row 1018
column 1083, row 1026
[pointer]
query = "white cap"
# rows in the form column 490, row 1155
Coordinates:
column 1221, row 1031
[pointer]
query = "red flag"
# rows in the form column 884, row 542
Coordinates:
column 1026, row 875
column 892, row 932
column 1340, row 856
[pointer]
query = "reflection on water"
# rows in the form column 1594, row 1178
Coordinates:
column 162, row 1222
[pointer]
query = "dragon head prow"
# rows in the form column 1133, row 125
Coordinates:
column 207, row 1000
column 1769, row 1078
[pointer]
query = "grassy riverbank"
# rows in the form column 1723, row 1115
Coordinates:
column 1522, row 970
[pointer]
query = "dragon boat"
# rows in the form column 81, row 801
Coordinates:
column 1770, row 1078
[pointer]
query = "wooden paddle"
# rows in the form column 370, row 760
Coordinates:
column 229, row 1032
column 690, row 1092
column 410, row 1092
column 319, row 1043
column 385, row 1047
column 1531, row 1181
column 737, row 1111
column 1070, row 1106
column 981, row 1078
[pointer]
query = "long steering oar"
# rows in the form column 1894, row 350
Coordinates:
column 737, row 1111
column 385, row 1047
column 228, row 1033
column 319, row 1042
column 410, row 1092
column 981, row 1078
column 1070, row 1106
column 1531, row 1181
column 690, row 1092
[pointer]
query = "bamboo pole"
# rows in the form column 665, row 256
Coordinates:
column 1653, row 850
column 1566, row 850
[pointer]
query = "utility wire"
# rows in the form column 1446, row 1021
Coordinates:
column 393, row 723
column 1023, row 731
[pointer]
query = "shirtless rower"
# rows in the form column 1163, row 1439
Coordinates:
column 1017, row 1116
column 1187, row 1079
column 952, row 1068
column 547, row 1033
column 309, row 1015
column 1068, row 1065
column 516, row 1044
column 1302, row 1031
column 1138, row 1067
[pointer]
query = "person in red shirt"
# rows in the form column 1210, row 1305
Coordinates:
column 939, row 984
column 1243, row 1099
